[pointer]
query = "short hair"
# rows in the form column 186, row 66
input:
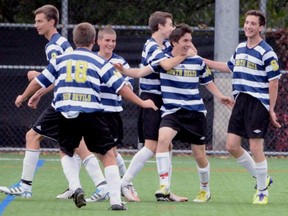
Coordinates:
column 106, row 30
column 84, row 34
column 50, row 12
column 259, row 14
column 157, row 18
column 179, row 31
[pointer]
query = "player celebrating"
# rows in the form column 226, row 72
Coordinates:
column 256, row 74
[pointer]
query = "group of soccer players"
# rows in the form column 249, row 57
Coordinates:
column 84, row 116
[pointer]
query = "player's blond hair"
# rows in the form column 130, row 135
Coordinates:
column 106, row 30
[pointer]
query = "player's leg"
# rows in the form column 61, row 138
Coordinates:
column 113, row 179
column 166, row 134
column 203, row 168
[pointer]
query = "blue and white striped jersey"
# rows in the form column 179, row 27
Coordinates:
column 253, row 69
column 77, row 77
column 180, row 85
column 57, row 45
column 112, row 101
column 152, row 54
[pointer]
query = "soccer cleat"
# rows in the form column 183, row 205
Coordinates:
column 118, row 207
column 20, row 189
column 176, row 198
column 269, row 181
column 78, row 198
column 101, row 194
column 67, row 194
column 129, row 192
column 260, row 199
column 163, row 194
column 203, row 196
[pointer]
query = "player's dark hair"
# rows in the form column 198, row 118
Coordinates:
column 258, row 13
column 84, row 34
column 179, row 31
column 157, row 18
column 50, row 12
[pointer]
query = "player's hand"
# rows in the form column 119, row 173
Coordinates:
column 192, row 51
column 33, row 101
column 274, row 119
column 149, row 104
column 228, row 101
column 119, row 67
column 19, row 100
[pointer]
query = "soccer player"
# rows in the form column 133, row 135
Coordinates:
column 161, row 25
column 183, row 111
column 256, row 74
column 77, row 77
column 46, row 20
column 111, row 101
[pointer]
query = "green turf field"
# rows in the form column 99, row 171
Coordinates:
column 231, row 187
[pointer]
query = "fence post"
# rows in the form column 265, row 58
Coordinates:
column 64, row 19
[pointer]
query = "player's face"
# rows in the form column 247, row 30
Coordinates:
column 107, row 43
column 42, row 25
column 184, row 44
column 252, row 27
column 167, row 28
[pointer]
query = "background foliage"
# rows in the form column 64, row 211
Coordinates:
column 135, row 12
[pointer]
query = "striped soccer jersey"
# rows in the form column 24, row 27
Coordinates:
column 57, row 45
column 77, row 77
column 152, row 54
column 180, row 86
column 112, row 101
column 253, row 69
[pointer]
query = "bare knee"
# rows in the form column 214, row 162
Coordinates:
column 33, row 139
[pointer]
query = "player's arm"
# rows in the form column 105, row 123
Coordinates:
column 217, row 65
column 35, row 99
column 273, row 93
column 30, row 90
column 134, row 72
column 128, row 94
column 32, row 74
column 169, row 63
column 228, row 101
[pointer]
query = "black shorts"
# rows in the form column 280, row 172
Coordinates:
column 93, row 127
column 47, row 123
column 115, row 123
column 149, row 119
column 249, row 118
column 190, row 125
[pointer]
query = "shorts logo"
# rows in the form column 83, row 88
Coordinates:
column 38, row 127
column 257, row 131
column 202, row 138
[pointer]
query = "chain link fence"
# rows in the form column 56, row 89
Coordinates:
column 22, row 49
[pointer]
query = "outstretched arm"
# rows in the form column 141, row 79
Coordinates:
column 217, row 65
column 228, row 101
column 128, row 94
column 134, row 72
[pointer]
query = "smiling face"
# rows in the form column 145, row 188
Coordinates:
column 252, row 27
column 183, row 45
column 107, row 43
column 43, row 26
column 167, row 28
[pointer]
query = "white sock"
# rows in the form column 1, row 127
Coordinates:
column 261, row 176
column 79, row 161
column 93, row 168
column 247, row 162
column 121, row 165
column 136, row 164
column 113, row 183
column 29, row 164
column 204, row 177
column 170, row 168
column 163, row 166
column 70, row 169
